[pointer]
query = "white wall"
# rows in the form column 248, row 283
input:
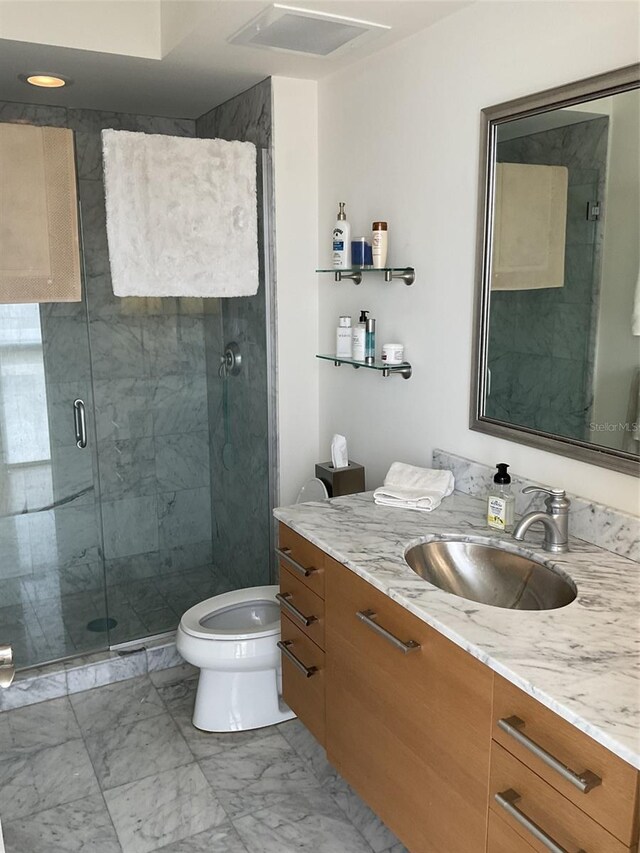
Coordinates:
column 618, row 349
column 399, row 140
column 295, row 153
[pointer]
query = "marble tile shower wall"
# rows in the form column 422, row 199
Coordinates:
column 542, row 342
column 147, row 369
column 238, row 406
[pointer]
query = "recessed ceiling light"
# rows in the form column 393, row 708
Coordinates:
column 45, row 81
column 289, row 29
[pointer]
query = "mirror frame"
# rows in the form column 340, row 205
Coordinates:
column 600, row 86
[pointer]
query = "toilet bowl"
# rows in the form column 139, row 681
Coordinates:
column 233, row 639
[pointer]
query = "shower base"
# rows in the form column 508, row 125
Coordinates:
column 73, row 675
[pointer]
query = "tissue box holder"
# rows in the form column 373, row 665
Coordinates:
column 341, row 481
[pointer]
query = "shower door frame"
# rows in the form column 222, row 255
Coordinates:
column 268, row 242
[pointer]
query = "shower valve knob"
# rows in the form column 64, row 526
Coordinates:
column 231, row 361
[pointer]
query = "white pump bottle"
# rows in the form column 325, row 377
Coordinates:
column 341, row 257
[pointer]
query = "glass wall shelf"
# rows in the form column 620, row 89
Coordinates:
column 407, row 274
column 403, row 369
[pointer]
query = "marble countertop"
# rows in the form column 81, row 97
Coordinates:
column 581, row 661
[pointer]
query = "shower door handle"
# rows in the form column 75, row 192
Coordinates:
column 80, row 421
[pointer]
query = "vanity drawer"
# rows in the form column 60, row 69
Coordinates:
column 302, row 558
column 303, row 677
column 377, row 627
column 303, row 607
column 538, row 802
column 503, row 839
column 613, row 803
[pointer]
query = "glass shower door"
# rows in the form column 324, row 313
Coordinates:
column 52, row 597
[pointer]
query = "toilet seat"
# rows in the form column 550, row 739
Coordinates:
column 252, row 613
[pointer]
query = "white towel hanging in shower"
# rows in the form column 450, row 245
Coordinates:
column 530, row 226
column 181, row 215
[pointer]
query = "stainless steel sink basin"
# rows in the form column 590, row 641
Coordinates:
column 480, row 572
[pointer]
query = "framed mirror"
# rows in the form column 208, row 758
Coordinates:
column 557, row 344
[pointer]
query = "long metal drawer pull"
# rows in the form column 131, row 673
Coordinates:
column 285, row 600
column 285, row 554
column 80, row 423
column 368, row 616
column 307, row 671
column 507, row 800
column 583, row 781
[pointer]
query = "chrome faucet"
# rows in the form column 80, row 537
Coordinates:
column 7, row 669
column 555, row 520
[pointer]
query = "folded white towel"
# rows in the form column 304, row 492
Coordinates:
column 410, row 487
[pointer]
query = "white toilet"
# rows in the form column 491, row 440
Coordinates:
column 233, row 639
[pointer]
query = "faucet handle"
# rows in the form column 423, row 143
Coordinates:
column 557, row 502
column 560, row 493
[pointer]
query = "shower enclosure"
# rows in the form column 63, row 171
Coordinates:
column 169, row 501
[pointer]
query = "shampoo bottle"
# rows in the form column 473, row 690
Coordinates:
column 343, row 338
column 379, row 243
column 341, row 241
column 500, row 503
column 359, row 337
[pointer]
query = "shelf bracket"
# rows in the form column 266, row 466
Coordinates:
column 408, row 275
column 355, row 276
column 405, row 371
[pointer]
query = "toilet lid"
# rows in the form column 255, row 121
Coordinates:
column 232, row 620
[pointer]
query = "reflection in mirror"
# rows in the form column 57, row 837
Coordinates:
column 559, row 353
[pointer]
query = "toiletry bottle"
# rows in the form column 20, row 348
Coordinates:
column 500, row 503
column 343, row 338
column 341, row 241
column 379, row 247
column 359, row 336
column 370, row 341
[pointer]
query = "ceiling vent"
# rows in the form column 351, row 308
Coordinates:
column 293, row 30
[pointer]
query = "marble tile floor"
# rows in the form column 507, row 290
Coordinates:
column 120, row 769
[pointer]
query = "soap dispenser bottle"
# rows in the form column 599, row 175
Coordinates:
column 500, row 503
column 370, row 341
column 359, row 337
column 341, row 257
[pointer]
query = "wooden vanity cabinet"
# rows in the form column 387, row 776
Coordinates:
column 413, row 723
column 408, row 718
